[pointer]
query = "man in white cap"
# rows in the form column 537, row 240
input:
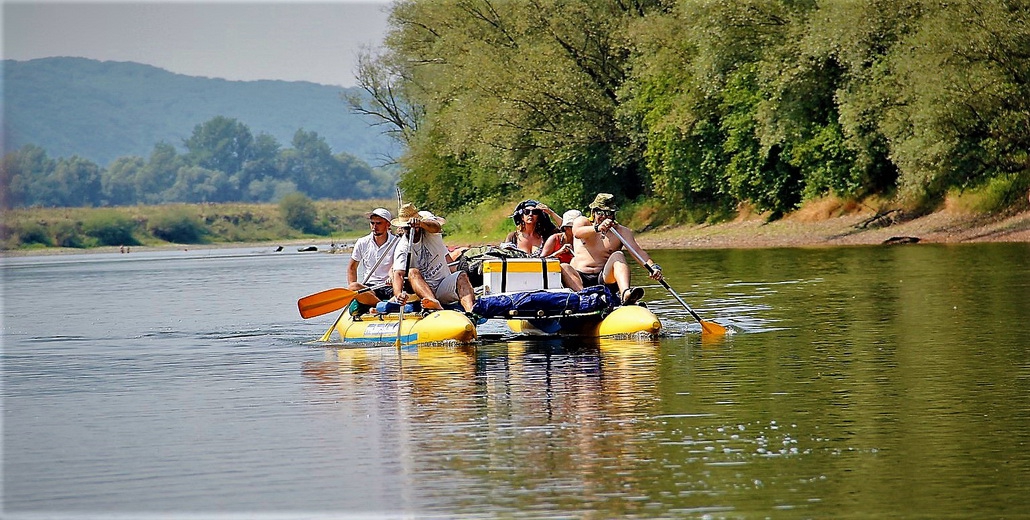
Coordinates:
column 374, row 254
column 425, row 261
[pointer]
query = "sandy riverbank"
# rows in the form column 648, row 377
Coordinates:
column 810, row 227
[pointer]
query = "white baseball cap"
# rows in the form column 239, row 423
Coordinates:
column 381, row 212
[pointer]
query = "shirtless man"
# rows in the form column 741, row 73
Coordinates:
column 598, row 257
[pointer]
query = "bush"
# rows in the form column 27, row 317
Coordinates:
column 299, row 212
column 66, row 234
column 179, row 226
column 110, row 228
column 34, row 233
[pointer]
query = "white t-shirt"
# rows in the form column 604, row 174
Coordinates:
column 366, row 253
column 429, row 255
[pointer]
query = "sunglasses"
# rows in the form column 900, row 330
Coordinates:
column 605, row 213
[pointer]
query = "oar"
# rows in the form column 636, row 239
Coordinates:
column 327, row 301
column 328, row 334
column 407, row 264
column 708, row 327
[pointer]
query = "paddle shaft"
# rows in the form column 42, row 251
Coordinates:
column 706, row 326
column 404, row 276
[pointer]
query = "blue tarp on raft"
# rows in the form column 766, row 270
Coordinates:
column 544, row 303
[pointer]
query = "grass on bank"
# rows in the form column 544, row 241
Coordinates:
column 298, row 218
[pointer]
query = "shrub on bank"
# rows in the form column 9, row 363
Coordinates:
column 178, row 225
column 110, row 228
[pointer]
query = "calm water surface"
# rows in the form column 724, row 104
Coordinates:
column 872, row 381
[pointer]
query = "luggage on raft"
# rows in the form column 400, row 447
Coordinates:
column 545, row 303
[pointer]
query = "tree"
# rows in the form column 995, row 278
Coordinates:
column 159, row 174
column 119, row 181
column 222, row 144
column 75, row 182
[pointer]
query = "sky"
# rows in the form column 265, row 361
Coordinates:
column 230, row 39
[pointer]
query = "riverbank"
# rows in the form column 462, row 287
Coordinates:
column 813, row 226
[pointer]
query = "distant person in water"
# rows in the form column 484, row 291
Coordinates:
column 373, row 254
column 424, row 262
column 598, row 257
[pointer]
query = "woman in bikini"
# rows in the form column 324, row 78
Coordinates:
column 534, row 224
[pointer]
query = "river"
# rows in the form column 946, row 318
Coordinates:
column 887, row 381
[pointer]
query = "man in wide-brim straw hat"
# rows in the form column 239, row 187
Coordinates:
column 424, row 259
column 597, row 256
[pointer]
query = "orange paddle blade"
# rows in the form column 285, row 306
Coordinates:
column 711, row 327
column 324, row 302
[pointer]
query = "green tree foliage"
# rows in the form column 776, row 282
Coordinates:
column 704, row 104
column 221, row 144
column 223, row 163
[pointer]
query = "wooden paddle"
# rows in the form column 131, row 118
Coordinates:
column 707, row 327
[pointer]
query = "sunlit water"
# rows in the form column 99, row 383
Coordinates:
column 874, row 381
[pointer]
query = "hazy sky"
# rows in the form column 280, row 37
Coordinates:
column 231, row 39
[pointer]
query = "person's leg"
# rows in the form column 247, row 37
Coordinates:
column 367, row 297
column 421, row 288
column 570, row 278
column 616, row 271
column 456, row 288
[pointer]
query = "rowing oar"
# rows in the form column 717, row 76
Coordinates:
column 404, row 277
column 708, row 327
column 328, row 301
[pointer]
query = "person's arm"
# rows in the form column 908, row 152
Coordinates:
column 555, row 218
column 429, row 225
column 583, row 228
column 630, row 242
column 352, row 271
column 550, row 245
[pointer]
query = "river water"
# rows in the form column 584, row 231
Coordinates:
column 859, row 382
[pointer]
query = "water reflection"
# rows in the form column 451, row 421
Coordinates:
column 554, row 416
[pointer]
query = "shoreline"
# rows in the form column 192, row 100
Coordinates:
column 799, row 229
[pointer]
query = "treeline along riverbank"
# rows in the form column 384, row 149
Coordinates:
column 296, row 219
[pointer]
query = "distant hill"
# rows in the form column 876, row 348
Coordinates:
column 102, row 110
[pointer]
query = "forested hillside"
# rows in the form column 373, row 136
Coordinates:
column 86, row 133
column 706, row 105
column 101, row 111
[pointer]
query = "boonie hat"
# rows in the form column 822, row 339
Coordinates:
column 604, row 202
column 569, row 216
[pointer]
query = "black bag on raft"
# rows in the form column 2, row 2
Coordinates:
column 544, row 303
